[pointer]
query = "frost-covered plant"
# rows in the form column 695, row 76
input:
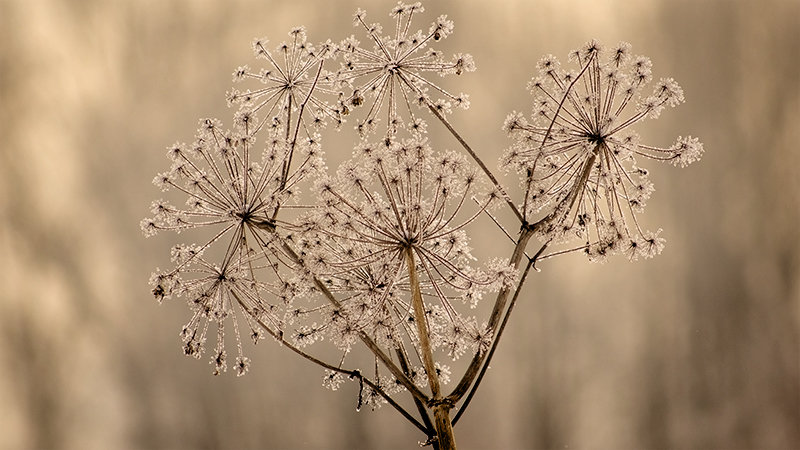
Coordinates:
column 578, row 153
column 391, row 209
column 391, row 72
column 292, row 81
column 379, row 263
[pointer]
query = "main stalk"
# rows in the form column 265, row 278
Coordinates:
column 441, row 409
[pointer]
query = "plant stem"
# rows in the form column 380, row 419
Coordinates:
column 478, row 160
column 444, row 428
column 441, row 409
column 499, row 305
column 475, row 368
column 422, row 326
column 485, row 366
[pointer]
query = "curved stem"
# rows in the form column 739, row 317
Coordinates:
column 350, row 373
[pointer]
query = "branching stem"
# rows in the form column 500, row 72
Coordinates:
column 350, row 373
column 499, row 305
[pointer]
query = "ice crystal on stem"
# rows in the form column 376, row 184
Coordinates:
column 579, row 154
column 390, row 77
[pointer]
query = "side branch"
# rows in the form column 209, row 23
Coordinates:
column 531, row 262
column 499, row 305
column 478, row 160
column 350, row 373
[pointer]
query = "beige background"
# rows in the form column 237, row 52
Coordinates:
column 699, row 348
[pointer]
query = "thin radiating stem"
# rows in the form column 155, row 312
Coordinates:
column 478, row 160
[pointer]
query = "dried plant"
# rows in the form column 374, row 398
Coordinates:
column 380, row 263
column 391, row 73
column 578, row 153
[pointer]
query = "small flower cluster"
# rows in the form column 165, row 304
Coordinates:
column 233, row 194
column 390, row 74
column 579, row 155
column 294, row 77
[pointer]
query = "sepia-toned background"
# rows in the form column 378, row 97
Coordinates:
column 696, row 349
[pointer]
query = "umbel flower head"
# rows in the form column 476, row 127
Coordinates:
column 232, row 199
column 579, row 153
column 388, row 209
column 294, row 77
column 390, row 77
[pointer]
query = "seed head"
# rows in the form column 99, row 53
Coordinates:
column 579, row 153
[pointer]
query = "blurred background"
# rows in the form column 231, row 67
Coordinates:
column 696, row 349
